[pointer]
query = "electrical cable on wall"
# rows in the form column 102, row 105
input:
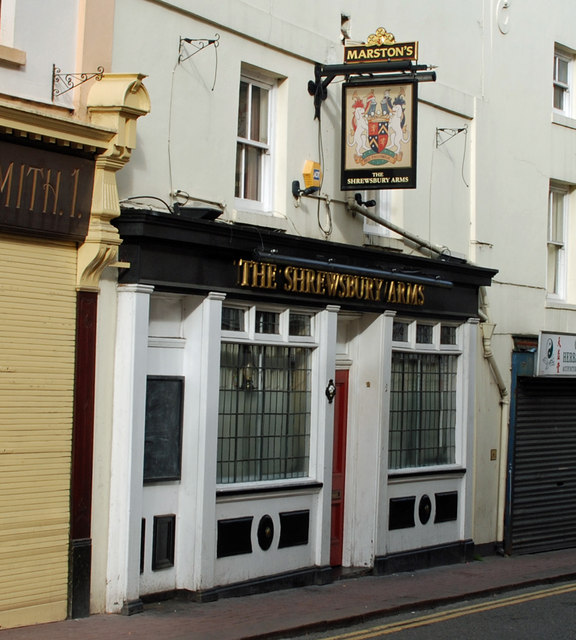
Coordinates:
column 148, row 198
column 326, row 232
column 199, row 44
column 451, row 134
column 442, row 136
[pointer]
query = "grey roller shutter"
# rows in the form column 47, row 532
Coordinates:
column 543, row 499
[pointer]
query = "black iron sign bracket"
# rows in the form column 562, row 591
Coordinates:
column 369, row 72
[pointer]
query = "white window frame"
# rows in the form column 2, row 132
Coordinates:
column 561, row 55
column 383, row 210
column 7, row 19
column 264, row 203
column 410, row 345
column 556, row 244
column 283, row 338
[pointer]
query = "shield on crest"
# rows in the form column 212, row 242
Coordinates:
column 377, row 135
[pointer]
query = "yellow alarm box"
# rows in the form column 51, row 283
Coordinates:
column 312, row 174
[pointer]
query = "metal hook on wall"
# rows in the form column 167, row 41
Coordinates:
column 198, row 43
column 451, row 133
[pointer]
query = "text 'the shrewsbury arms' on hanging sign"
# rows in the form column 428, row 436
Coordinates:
column 379, row 120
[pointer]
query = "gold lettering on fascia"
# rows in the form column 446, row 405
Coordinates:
column 25, row 187
column 334, row 284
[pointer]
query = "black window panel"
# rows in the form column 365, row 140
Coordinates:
column 142, row 544
column 163, row 428
column 401, row 514
column 234, row 537
column 294, row 528
column 446, row 506
column 163, row 542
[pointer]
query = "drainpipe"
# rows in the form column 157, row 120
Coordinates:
column 487, row 329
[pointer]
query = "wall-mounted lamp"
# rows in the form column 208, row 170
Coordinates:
column 360, row 202
column 297, row 192
column 331, row 391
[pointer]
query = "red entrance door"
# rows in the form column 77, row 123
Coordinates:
column 339, row 467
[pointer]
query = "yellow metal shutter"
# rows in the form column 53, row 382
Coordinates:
column 37, row 334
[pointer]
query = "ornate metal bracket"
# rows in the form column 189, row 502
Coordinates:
column 449, row 132
column 71, row 80
column 392, row 71
column 198, row 44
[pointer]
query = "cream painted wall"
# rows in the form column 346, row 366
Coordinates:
column 42, row 30
column 482, row 194
column 106, row 339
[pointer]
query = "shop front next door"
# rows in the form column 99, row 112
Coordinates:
column 339, row 467
column 542, row 509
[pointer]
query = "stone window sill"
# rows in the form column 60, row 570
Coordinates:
column 12, row 57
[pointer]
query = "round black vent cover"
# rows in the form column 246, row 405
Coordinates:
column 265, row 532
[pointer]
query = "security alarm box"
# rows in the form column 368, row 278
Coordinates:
column 312, row 174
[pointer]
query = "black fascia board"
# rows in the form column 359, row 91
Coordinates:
column 174, row 253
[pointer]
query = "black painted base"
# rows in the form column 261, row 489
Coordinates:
column 290, row 580
column 454, row 553
column 489, row 549
column 80, row 567
column 132, row 607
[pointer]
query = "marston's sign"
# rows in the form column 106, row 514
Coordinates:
column 44, row 192
column 333, row 284
column 379, row 120
column 380, row 47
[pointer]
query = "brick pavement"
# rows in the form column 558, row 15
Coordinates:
column 295, row 610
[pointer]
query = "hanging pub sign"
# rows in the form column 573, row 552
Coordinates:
column 379, row 136
column 379, row 118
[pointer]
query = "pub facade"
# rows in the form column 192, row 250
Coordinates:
column 295, row 406
column 309, row 369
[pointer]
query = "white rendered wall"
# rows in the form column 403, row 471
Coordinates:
column 46, row 31
column 482, row 194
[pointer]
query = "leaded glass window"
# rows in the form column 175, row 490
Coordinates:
column 264, row 412
column 422, row 410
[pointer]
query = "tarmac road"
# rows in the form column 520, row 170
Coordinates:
column 526, row 614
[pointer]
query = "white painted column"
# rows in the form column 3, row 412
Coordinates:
column 196, row 547
column 367, row 425
column 127, row 453
column 322, row 433
column 470, row 342
column 381, row 490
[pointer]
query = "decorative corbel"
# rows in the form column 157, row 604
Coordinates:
column 114, row 103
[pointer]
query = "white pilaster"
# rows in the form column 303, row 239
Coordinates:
column 470, row 342
column 381, row 489
column 197, row 526
column 127, row 454
column 322, row 437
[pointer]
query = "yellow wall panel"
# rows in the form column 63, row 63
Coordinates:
column 37, row 344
